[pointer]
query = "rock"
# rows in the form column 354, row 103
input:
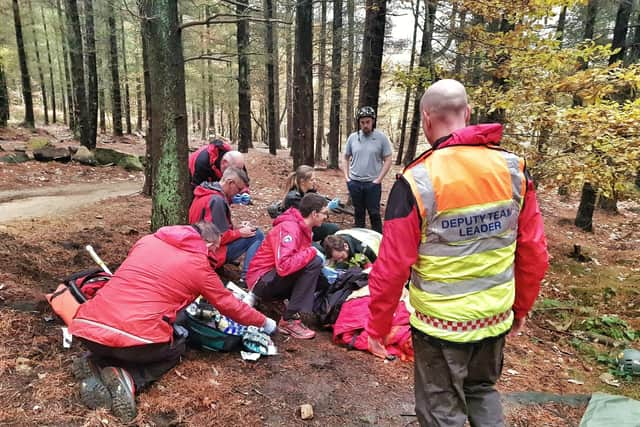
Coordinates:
column 23, row 366
column 49, row 153
column 306, row 411
column 37, row 143
column 16, row 157
column 106, row 156
column 131, row 163
column 84, row 155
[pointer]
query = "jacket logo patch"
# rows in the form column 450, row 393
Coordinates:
column 287, row 239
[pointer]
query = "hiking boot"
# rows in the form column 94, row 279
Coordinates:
column 295, row 328
column 122, row 390
column 93, row 393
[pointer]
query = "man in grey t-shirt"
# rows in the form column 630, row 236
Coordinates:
column 368, row 154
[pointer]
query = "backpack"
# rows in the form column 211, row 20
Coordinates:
column 75, row 290
column 330, row 297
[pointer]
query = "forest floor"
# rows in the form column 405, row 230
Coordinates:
column 555, row 356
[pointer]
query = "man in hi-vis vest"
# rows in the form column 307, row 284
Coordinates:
column 463, row 222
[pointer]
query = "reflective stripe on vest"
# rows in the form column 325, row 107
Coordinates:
column 464, row 271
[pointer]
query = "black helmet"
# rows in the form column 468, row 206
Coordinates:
column 366, row 112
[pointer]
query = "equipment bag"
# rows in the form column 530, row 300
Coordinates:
column 210, row 330
column 75, row 290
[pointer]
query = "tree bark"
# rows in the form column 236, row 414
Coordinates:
column 562, row 20
column 92, row 72
column 289, row 88
column 321, row 79
column 116, row 99
column 65, row 55
column 407, row 92
column 51, row 83
column 168, row 112
column 303, row 86
column 372, row 49
column 102, row 114
column 350, row 110
column 336, row 86
column 584, row 217
column 148, row 166
column 77, row 71
column 127, row 103
column 24, row 70
column 43, row 87
column 244, row 89
column 620, row 30
column 4, row 97
column 272, row 111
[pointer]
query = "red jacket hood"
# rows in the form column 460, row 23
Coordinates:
column 291, row 214
column 207, row 189
column 182, row 237
column 485, row 134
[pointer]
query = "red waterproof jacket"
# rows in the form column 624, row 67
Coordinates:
column 204, row 163
column 163, row 273
column 402, row 233
column 210, row 204
column 287, row 248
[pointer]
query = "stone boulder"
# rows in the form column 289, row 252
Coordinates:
column 84, row 155
column 107, row 156
column 131, row 163
column 15, row 157
column 49, row 153
column 37, row 143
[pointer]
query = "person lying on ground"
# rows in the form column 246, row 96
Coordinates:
column 211, row 203
column 286, row 265
column 353, row 247
column 208, row 163
column 299, row 183
column 128, row 327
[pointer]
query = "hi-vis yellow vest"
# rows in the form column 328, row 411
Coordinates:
column 469, row 198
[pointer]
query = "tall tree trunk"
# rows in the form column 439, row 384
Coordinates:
column 351, row 46
column 92, row 72
column 321, row 79
column 584, row 217
column 138, row 95
column 211, row 107
column 459, row 37
column 425, row 61
column 4, row 97
column 562, row 20
column 203, row 82
column 116, row 99
column 51, row 83
column 127, row 103
column 77, row 71
column 372, row 48
column 244, row 90
column 24, row 70
column 498, row 77
column 634, row 51
column 303, row 86
column 102, row 114
column 289, row 89
column 272, row 82
column 61, row 73
column 407, row 92
column 43, row 87
column 620, row 30
column 67, row 77
column 168, row 113
column 148, row 166
column 336, row 86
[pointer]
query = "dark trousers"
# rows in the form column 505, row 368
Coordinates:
column 453, row 381
column 324, row 230
column 146, row 363
column 297, row 287
column 365, row 196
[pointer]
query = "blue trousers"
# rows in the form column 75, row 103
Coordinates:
column 248, row 245
column 365, row 196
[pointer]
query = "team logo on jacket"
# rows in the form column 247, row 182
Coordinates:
column 287, row 239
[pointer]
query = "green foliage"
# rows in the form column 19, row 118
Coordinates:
column 611, row 326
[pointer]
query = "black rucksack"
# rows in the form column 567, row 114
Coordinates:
column 330, row 297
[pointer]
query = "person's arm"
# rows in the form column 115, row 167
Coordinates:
column 398, row 252
column 289, row 256
column 532, row 257
column 219, row 218
column 347, row 159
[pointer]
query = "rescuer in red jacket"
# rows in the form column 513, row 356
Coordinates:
column 287, row 266
column 208, row 163
column 128, row 327
column 463, row 223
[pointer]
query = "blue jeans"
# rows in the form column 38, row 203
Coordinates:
column 238, row 247
column 365, row 196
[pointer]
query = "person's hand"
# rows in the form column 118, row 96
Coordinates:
column 376, row 181
column 346, row 179
column 377, row 348
column 247, row 231
column 518, row 325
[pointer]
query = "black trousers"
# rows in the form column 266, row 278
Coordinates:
column 146, row 363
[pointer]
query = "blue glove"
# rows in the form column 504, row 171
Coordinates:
column 334, row 204
column 241, row 199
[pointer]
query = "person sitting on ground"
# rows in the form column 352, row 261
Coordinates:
column 286, row 265
column 128, row 327
column 209, row 162
column 354, row 247
column 299, row 183
column 211, row 203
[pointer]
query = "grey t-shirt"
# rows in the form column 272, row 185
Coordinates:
column 367, row 154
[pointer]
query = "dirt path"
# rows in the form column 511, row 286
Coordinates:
column 58, row 200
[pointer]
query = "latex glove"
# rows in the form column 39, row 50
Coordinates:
column 270, row 326
column 241, row 199
column 334, row 204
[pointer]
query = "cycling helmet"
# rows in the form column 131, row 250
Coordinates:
column 366, row 112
